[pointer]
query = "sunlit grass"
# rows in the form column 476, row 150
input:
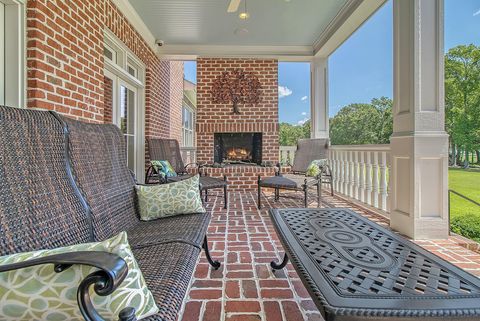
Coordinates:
column 464, row 215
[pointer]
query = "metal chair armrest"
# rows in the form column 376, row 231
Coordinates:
column 112, row 271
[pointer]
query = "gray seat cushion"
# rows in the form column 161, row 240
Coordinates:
column 178, row 178
column 300, row 179
column 167, row 269
column 188, row 228
column 288, row 181
column 206, row 182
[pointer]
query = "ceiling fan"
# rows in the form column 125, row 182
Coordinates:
column 233, row 6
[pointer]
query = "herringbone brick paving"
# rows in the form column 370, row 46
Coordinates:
column 243, row 239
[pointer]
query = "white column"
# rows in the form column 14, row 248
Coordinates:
column 319, row 98
column 419, row 145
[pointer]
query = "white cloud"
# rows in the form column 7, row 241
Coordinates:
column 476, row 13
column 304, row 114
column 284, row 91
column 303, row 121
column 304, row 98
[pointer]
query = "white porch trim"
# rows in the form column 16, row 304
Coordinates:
column 137, row 22
column 319, row 102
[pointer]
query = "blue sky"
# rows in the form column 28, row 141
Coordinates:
column 361, row 69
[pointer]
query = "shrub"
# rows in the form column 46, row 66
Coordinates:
column 467, row 225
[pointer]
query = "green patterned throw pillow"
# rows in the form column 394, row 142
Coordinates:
column 183, row 197
column 315, row 166
column 164, row 168
column 39, row 293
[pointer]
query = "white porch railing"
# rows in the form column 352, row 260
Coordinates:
column 287, row 154
column 360, row 172
column 189, row 154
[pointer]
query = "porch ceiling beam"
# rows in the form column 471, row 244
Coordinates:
column 351, row 17
column 284, row 53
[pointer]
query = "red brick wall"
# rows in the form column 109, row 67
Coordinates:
column 262, row 117
column 65, row 57
column 65, row 61
column 176, row 100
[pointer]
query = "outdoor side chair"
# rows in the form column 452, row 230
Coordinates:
column 308, row 150
column 169, row 149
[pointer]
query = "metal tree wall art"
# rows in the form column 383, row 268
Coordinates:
column 236, row 87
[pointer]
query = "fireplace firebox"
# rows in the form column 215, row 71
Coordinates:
column 238, row 148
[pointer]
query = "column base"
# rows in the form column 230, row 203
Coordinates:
column 419, row 185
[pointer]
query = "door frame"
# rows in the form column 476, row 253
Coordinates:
column 118, row 73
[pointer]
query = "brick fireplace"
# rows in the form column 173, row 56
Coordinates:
column 254, row 120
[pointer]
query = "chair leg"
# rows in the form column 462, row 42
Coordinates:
column 276, row 266
column 259, row 204
column 319, row 193
column 305, row 191
column 225, row 193
column 214, row 264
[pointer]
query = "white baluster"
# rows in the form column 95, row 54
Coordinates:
column 389, row 182
column 351, row 180
column 335, row 171
column 346, row 172
column 383, row 182
column 375, row 180
column 343, row 183
column 368, row 179
column 356, row 179
column 361, row 170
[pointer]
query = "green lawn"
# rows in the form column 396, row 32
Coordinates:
column 465, row 216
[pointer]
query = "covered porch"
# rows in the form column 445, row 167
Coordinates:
column 125, row 71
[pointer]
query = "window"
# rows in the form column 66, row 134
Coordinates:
column 12, row 53
column 110, row 53
column 124, row 99
column 187, row 126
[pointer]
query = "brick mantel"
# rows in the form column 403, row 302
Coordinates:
column 219, row 118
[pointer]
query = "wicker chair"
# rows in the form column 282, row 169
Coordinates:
column 308, row 150
column 169, row 149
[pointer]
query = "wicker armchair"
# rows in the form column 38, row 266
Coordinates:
column 308, row 150
column 166, row 149
column 169, row 149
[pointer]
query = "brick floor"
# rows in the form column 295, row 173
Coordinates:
column 243, row 239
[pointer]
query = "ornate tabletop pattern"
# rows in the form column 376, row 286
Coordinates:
column 353, row 266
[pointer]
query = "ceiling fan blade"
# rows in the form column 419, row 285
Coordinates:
column 233, row 6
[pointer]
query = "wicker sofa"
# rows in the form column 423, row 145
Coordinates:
column 65, row 182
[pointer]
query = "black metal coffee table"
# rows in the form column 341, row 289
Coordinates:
column 355, row 269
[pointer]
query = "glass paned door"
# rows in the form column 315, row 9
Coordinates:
column 128, row 119
column 2, row 53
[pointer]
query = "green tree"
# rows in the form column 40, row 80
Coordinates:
column 358, row 124
column 462, row 97
column 289, row 134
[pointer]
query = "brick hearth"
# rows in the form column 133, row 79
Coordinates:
column 219, row 118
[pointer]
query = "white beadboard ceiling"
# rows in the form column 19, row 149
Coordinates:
column 206, row 22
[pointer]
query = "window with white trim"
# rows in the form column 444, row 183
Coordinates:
column 124, row 85
column 188, row 118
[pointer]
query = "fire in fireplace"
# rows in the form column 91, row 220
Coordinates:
column 238, row 148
